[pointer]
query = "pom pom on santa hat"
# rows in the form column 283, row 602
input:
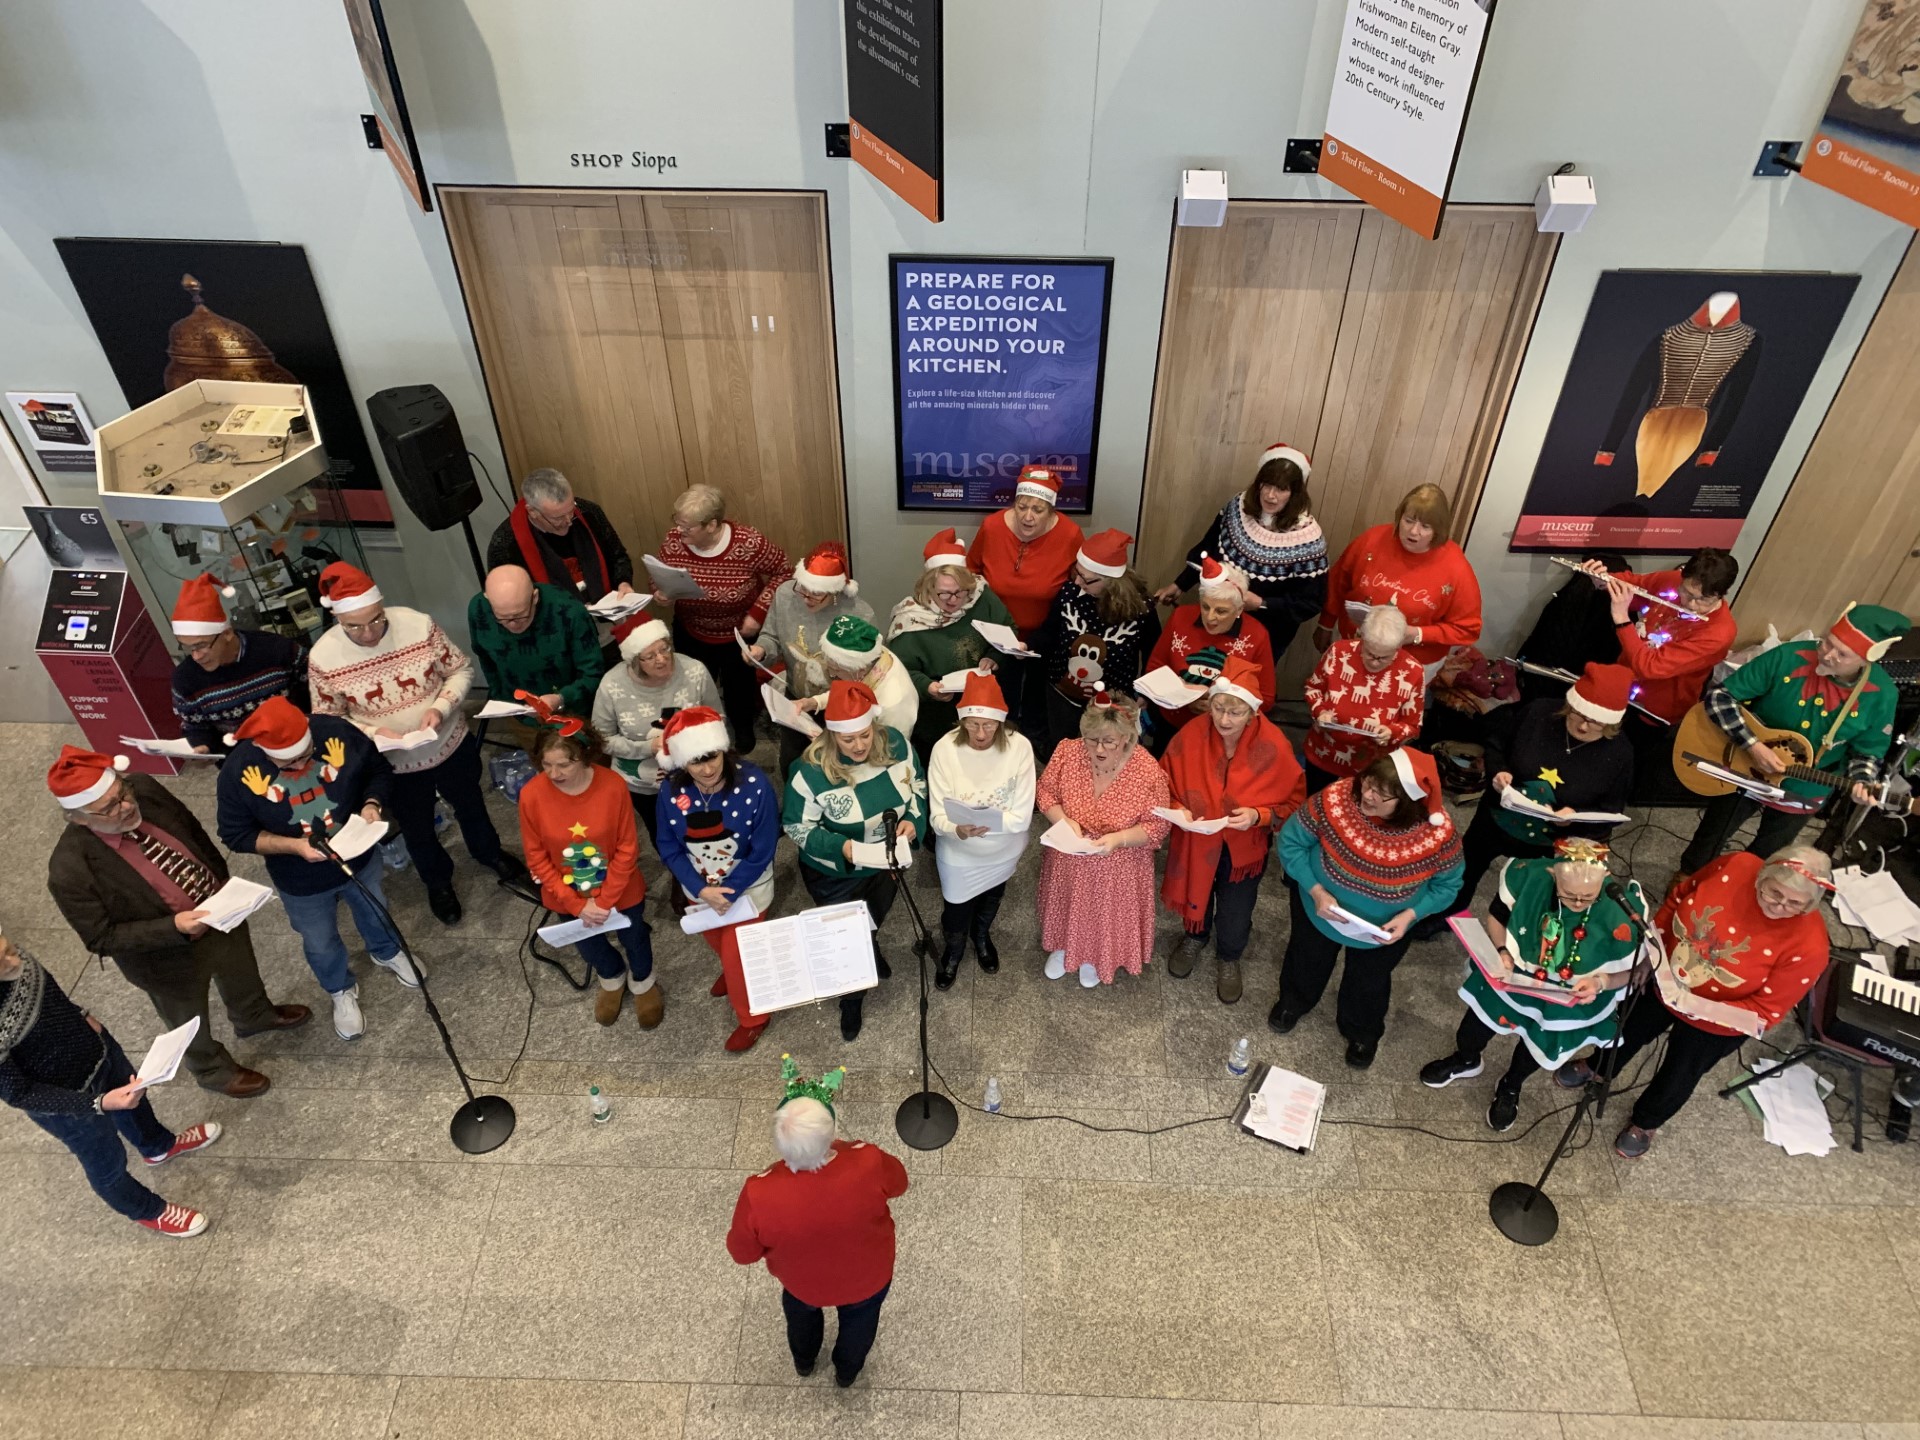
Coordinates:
column 695, row 731
column 198, row 612
column 1221, row 578
column 278, row 727
column 80, row 777
column 825, row 571
column 637, row 633
column 1601, row 693
column 347, row 587
column 1420, row 778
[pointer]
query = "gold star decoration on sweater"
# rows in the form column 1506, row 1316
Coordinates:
column 579, row 832
column 1550, row 775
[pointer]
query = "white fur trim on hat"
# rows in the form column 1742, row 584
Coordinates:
column 306, row 738
column 805, row 579
column 956, row 557
column 1286, row 452
column 1223, row 686
column 1578, row 702
column 857, row 723
column 648, row 632
column 369, row 596
column 98, row 789
column 1112, row 572
column 195, row 629
column 1035, row 490
column 688, row 744
column 850, row 659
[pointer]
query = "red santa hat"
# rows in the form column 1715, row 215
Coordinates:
column 695, row 731
column 981, row 699
column 1284, row 451
column 80, row 777
column 1038, row 483
column 636, row 633
column 944, row 549
column 1420, row 778
column 1106, row 553
column 278, row 727
column 198, row 612
column 1601, row 692
column 1240, row 678
column 851, row 707
column 347, row 587
column 1222, row 579
column 825, row 571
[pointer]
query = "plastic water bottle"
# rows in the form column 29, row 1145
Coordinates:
column 990, row 1102
column 393, row 853
column 602, row 1110
column 442, row 815
column 1240, row 1058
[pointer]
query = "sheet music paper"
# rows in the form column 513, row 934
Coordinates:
column 501, row 709
column 1355, row 928
column 1485, row 956
column 773, row 961
column 1060, row 836
column 994, row 820
column 1358, row 610
column 358, row 836
column 784, row 712
column 1184, row 821
column 614, row 607
column 1167, row 689
column 701, row 917
column 232, row 903
column 176, row 749
column 1002, row 637
column 1286, row 1109
column 1512, row 799
column 672, row 583
column 412, row 740
column 815, row 955
column 570, row 932
column 746, row 653
column 164, row 1056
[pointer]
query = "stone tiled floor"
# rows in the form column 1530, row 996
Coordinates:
column 364, row 1279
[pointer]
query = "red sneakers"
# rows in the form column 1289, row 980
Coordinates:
column 177, row 1221
column 198, row 1138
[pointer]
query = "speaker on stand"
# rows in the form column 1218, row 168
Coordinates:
column 420, row 436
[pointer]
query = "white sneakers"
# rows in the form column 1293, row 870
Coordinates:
column 1056, row 964
column 347, row 1022
column 1089, row 977
column 403, row 967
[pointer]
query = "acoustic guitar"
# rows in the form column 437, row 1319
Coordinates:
column 1697, row 739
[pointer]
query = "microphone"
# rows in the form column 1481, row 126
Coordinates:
column 891, row 820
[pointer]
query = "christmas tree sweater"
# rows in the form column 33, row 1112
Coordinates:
column 212, row 703
column 582, row 847
column 393, row 683
column 727, row 838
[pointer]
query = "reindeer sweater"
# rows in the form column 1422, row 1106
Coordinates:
column 393, row 683
column 1080, row 649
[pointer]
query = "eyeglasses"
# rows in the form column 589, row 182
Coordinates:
column 121, row 799
column 1105, row 742
column 197, row 648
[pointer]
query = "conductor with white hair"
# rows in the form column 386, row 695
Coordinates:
column 819, row 1216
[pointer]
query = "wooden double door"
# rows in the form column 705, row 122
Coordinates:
column 644, row 341
column 1387, row 358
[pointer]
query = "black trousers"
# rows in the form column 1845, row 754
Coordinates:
column 738, row 682
column 1366, row 985
column 1691, row 1054
column 806, row 1328
column 646, row 809
column 1230, row 906
column 960, row 918
column 1727, row 813
column 1471, row 1038
column 457, row 780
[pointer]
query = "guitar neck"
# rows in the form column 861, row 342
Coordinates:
column 1831, row 779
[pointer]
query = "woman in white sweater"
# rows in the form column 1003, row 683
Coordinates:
column 985, row 765
column 634, row 702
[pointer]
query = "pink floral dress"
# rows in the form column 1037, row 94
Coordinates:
column 1099, row 908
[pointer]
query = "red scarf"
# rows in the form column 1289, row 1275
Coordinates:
column 1261, row 774
column 530, row 546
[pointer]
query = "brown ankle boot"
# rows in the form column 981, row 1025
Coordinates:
column 650, row 1006
column 606, row 1005
column 1228, row 985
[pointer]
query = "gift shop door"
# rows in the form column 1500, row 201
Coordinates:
column 645, row 341
column 1387, row 358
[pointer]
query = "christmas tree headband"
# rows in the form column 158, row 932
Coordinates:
column 548, row 717
column 797, row 1087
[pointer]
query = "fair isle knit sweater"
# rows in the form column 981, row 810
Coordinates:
column 211, row 703
column 1370, row 870
column 739, row 579
column 393, row 683
column 1287, row 568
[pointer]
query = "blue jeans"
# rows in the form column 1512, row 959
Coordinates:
column 637, row 939
column 316, row 918
column 95, row 1139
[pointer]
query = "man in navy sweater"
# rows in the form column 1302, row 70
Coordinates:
column 287, row 790
column 227, row 673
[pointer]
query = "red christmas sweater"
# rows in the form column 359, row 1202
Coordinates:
column 739, row 581
column 582, row 847
column 1026, row 576
column 1184, row 634
column 1436, row 590
column 1723, row 948
column 1342, row 689
column 826, row 1234
column 1671, row 657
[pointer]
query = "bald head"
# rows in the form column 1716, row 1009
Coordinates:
column 511, row 597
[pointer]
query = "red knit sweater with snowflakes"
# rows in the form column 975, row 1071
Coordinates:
column 1436, row 590
column 1184, row 634
column 1026, row 576
column 1712, row 924
column 1343, row 690
column 739, row 581
column 582, row 847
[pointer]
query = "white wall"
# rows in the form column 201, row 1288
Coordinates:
column 1067, row 124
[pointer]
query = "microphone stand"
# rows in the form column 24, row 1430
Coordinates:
column 484, row 1122
column 925, row 1121
column 1524, row 1213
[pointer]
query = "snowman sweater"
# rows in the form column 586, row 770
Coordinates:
column 582, row 847
column 726, row 838
column 1080, row 649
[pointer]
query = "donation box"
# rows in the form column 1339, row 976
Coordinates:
column 106, row 658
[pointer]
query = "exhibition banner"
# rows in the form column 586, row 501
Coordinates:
column 895, row 123
column 1868, row 144
column 997, row 365
column 1681, row 388
column 1402, row 80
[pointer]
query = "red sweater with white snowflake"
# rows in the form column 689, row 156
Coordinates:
column 1185, row 634
column 1343, row 690
column 1716, row 933
column 582, row 847
column 1670, row 656
column 739, row 581
column 1026, row 576
column 1436, row 590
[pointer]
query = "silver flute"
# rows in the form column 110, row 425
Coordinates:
column 1675, row 605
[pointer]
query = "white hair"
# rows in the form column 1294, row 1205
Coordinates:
column 699, row 504
column 1798, row 868
column 803, row 1133
column 546, row 487
column 1384, row 626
